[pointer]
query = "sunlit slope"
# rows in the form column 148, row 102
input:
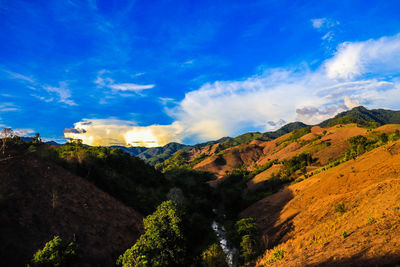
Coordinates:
column 324, row 144
column 349, row 214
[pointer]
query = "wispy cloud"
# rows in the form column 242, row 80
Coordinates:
column 62, row 91
column 111, row 84
column 325, row 26
column 8, row 106
column 64, row 94
column 19, row 76
column 324, row 23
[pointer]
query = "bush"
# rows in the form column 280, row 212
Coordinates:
column 56, row 253
column 340, row 208
column 276, row 255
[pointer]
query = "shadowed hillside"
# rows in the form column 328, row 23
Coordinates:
column 39, row 199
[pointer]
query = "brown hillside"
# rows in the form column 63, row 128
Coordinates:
column 39, row 199
column 232, row 158
column 307, row 219
column 323, row 146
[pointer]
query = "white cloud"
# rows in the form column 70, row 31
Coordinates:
column 64, row 94
column 354, row 59
column 110, row 83
column 130, row 87
column 118, row 132
column 8, row 106
column 327, row 23
column 358, row 74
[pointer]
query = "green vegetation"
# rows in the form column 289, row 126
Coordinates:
column 260, row 169
column 361, row 144
column 157, row 155
column 247, row 236
column 56, row 253
column 214, row 256
column 199, row 201
column 163, row 243
column 371, row 220
column 180, row 160
column 364, row 117
column 340, row 208
column 345, row 234
column 276, row 255
column 127, row 178
column 296, row 134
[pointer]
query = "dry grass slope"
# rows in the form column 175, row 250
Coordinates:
column 346, row 216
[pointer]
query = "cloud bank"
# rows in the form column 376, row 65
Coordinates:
column 359, row 73
column 106, row 132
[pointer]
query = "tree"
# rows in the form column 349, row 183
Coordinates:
column 56, row 253
column 5, row 135
column 247, row 233
column 214, row 256
column 383, row 137
column 37, row 138
column 163, row 243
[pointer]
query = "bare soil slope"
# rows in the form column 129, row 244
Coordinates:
column 39, row 199
column 346, row 216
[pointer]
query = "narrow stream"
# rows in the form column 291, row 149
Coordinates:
column 230, row 252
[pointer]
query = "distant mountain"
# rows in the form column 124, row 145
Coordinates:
column 156, row 155
column 247, row 137
column 31, row 139
column 362, row 115
column 133, row 151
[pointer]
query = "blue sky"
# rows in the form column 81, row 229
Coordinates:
column 150, row 72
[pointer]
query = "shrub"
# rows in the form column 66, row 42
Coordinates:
column 345, row 234
column 340, row 208
column 56, row 253
column 276, row 255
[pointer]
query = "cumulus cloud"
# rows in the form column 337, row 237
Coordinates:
column 359, row 73
column 105, row 132
column 354, row 59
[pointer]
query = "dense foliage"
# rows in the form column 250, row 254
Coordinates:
column 163, row 243
column 248, row 237
column 214, row 256
column 127, row 178
column 198, row 201
column 364, row 117
column 56, row 253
